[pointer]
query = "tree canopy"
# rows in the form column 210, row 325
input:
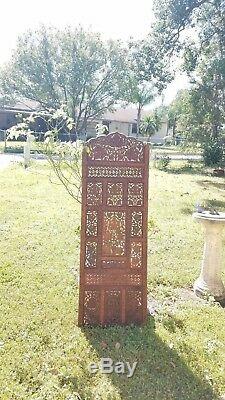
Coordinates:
column 195, row 31
column 71, row 66
column 77, row 68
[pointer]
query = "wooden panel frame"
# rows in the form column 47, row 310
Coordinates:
column 110, row 282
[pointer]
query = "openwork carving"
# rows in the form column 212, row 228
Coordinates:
column 118, row 148
column 135, row 194
column 116, row 278
column 113, row 264
column 115, row 194
column 91, row 307
column 136, row 254
column 91, row 255
column 92, row 223
column 136, row 223
column 114, row 232
column 115, row 172
column 94, row 193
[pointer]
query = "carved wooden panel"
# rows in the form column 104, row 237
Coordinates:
column 113, row 260
column 114, row 233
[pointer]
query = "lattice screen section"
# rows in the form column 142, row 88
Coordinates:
column 114, row 231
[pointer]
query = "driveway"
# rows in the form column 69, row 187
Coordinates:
column 182, row 157
column 8, row 159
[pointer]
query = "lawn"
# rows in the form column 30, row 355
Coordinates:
column 45, row 356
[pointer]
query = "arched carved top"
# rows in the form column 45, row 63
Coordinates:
column 116, row 147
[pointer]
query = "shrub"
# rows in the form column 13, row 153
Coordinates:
column 162, row 162
column 213, row 153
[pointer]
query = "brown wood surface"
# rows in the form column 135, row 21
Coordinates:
column 113, row 256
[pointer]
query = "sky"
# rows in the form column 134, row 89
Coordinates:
column 117, row 19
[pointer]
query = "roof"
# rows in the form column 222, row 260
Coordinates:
column 27, row 105
column 128, row 114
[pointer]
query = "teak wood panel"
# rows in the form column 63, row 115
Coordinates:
column 113, row 258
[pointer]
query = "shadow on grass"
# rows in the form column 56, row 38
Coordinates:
column 190, row 168
column 161, row 374
column 187, row 210
column 211, row 184
column 208, row 203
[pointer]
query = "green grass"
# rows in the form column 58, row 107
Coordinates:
column 45, row 356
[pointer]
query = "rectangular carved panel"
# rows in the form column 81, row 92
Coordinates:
column 114, row 172
column 91, row 254
column 113, row 233
column 91, row 307
column 115, row 194
column 113, row 307
column 108, row 278
column 136, row 223
column 94, row 194
column 134, row 304
column 136, row 255
column 135, row 194
column 113, row 263
column 113, row 259
column 92, row 223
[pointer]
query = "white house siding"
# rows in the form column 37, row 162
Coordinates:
column 122, row 127
column 114, row 126
column 125, row 127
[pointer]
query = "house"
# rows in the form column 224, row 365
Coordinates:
column 9, row 116
column 123, row 120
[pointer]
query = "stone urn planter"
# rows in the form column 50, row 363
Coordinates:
column 210, row 281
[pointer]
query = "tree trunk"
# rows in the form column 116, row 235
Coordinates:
column 174, row 128
column 138, row 119
column 215, row 131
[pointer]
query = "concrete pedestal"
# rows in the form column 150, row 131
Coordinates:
column 209, row 281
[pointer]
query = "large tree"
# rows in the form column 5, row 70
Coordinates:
column 195, row 30
column 147, row 75
column 172, row 18
column 177, row 113
column 71, row 66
